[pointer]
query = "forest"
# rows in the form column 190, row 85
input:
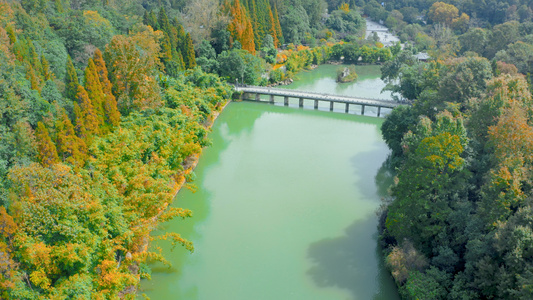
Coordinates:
column 106, row 105
column 459, row 221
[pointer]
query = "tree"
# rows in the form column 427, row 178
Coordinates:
column 431, row 176
column 87, row 124
column 132, row 62
column 240, row 26
column 474, row 40
column 64, row 233
column 94, row 91
column 441, row 12
column 110, row 103
column 295, row 24
column 71, row 81
column 203, row 17
column 189, row 57
column 47, row 74
column 467, row 79
column 240, row 65
column 46, row 150
column 70, row 147
column 519, row 54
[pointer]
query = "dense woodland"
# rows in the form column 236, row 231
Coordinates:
column 105, row 105
column 459, row 222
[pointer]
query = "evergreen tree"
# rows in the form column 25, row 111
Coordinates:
column 86, row 118
column 112, row 114
column 33, row 78
column 255, row 23
column 71, row 80
column 162, row 20
column 166, row 49
column 94, row 90
column 46, row 150
column 34, row 58
column 272, row 26
column 47, row 74
column 279, row 33
column 190, row 59
column 240, row 26
column 69, row 146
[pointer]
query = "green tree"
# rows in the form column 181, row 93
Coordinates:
column 431, row 176
column 71, row 81
column 189, row 56
column 240, row 65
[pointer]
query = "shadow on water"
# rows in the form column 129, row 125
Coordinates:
column 349, row 262
column 364, row 161
column 384, row 178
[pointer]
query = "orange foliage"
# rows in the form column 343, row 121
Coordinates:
column 240, row 26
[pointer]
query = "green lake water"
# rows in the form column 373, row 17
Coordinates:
column 285, row 209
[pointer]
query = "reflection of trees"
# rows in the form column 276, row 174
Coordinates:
column 352, row 262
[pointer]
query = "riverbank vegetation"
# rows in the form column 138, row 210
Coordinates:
column 106, row 106
column 458, row 223
column 101, row 117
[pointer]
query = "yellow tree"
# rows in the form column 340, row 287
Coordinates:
column 132, row 62
column 240, row 26
column 94, row 90
column 279, row 33
column 86, row 118
column 70, row 147
column 46, row 150
column 110, row 103
column 273, row 31
column 441, row 12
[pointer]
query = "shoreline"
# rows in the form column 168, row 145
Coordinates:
column 189, row 165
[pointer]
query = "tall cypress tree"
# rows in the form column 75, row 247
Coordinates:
column 34, row 58
column 70, row 147
column 240, row 27
column 190, row 59
column 46, row 150
column 279, row 33
column 255, row 23
column 94, row 90
column 162, row 20
column 272, row 28
column 71, row 80
column 86, row 118
column 32, row 77
column 110, row 105
column 47, row 74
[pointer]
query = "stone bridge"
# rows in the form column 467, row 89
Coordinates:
column 253, row 93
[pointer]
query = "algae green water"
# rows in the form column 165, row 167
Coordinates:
column 322, row 79
column 285, row 209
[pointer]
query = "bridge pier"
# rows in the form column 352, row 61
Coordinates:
column 331, row 106
column 316, row 104
column 379, row 110
column 347, row 108
column 362, row 109
column 257, row 97
column 301, row 102
column 271, row 99
column 286, row 100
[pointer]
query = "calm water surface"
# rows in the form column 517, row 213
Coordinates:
column 285, row 209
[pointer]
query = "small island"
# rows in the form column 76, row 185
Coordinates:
column 346, row 74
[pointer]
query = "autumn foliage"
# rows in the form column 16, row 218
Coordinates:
column 93, row 148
